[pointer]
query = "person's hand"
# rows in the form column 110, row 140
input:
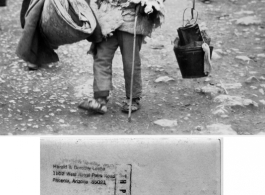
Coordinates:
column 141, row 9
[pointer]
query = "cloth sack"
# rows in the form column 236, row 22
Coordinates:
column 66, row 21
column 109, row 17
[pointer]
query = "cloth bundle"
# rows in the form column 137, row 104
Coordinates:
column 66, row 21
column 207, row 59
column 151, row 6
column 48, row 24
column 109, row 16
column 206, row 48
column 118, row 14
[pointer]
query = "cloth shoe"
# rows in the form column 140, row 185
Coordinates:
column 135, row 105
column 32, row 66
column 98, row 105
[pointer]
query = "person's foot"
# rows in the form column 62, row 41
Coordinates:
column 135, row 105
column 98, row 105
column 32, row 67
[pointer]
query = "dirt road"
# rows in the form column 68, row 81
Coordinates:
column 45, row 101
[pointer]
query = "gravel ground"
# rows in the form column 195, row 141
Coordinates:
column 45, row 101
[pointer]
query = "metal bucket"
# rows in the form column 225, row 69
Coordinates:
column 188, row 48
column 191, row 61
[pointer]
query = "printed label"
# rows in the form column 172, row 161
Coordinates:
column 110, row 179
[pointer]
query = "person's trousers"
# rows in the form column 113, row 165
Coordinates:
column 102, row 67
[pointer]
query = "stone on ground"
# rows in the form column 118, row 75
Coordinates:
column 210, row 90
column 249, row 20
column 215, row 56
column 251, row 80
column 164, row 79
column 243, row 58
column 261, row 55
column 232, row 101
column 166, row 123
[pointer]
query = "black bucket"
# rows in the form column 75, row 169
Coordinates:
column 191, row 61
column 2, row 3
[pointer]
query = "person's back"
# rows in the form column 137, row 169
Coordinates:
column 128, row 37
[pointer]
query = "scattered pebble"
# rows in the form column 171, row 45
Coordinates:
column 249, row 20
column 262, row 55
column 166, row 123
column 61, row 121
column 231, row 101
column 243, row 58
column 164, row 79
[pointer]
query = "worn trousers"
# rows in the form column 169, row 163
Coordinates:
column 102, row 66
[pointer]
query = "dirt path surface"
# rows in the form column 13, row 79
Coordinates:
column 230, row 101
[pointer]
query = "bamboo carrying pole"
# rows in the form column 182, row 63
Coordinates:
column 133, row 62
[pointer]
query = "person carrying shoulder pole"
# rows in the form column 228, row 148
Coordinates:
column 123, row 37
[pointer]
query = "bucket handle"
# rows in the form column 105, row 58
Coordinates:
column 192, row 10
column 192, row 15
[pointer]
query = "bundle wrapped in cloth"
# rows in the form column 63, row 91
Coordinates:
column 50, row 23
column 109, row 16
column 153, row 16
column 120, row 14
column 150, row 6
column 66, row 21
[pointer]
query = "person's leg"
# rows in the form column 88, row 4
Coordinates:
column 126, row 45
column 102, row 67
